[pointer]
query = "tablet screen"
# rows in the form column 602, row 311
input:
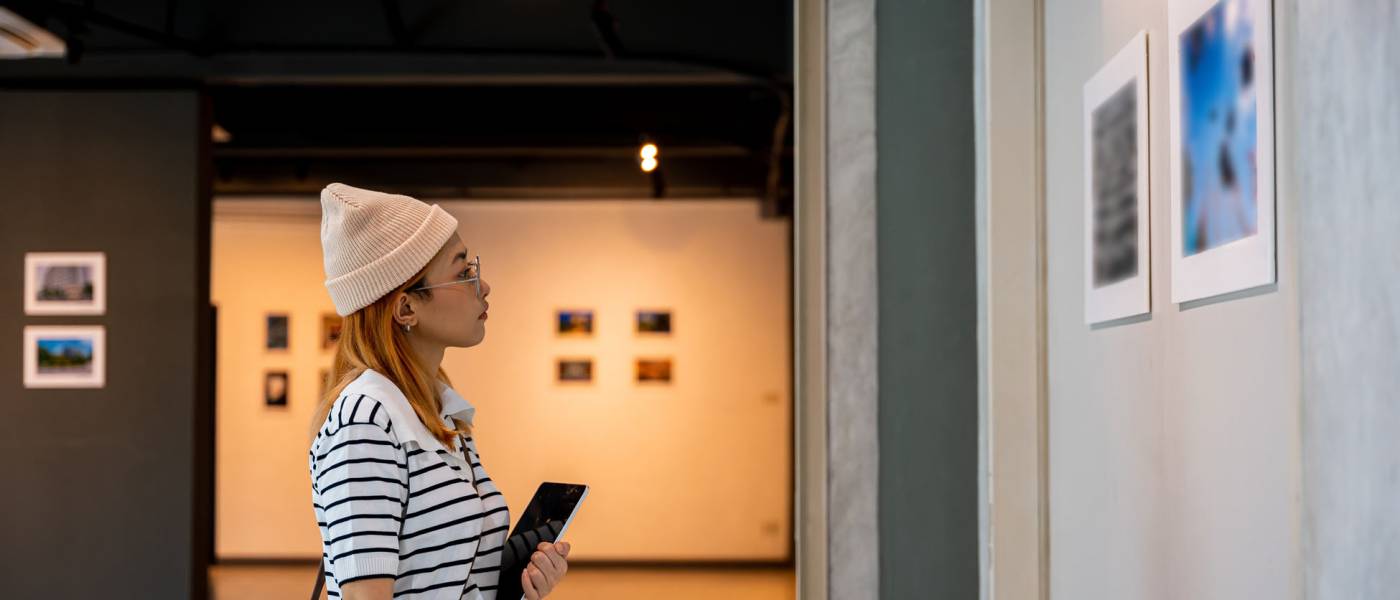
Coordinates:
column 544, row 520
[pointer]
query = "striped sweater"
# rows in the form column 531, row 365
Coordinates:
column 392, row 501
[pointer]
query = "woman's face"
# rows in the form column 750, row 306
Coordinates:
column 454, row 315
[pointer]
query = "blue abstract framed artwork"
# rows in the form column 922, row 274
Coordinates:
column 1222, row 151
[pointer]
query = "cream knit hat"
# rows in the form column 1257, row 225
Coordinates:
column 373, row 242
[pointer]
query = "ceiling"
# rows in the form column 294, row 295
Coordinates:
column 538, row 98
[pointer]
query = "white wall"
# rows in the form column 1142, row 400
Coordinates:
column 1348, row 142
column 697, row 471
column 1174, row 444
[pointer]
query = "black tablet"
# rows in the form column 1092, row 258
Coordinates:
column 544, row 520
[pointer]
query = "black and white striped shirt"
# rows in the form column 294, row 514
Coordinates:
column 392, row 501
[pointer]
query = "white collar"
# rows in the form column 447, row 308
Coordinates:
column 406, row 423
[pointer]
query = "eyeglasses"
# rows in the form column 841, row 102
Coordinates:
column 473, row 277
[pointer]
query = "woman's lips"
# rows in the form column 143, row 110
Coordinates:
column 482, row 317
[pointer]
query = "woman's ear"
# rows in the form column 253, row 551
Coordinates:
column 403, row 310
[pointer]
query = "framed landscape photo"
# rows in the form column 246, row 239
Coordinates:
column 1222, row 146
column 654, row 370
column 65, row 283
column 575, row 370
column 574, row 323
column 1117, row 207
column 654, row 322
column 65, row 356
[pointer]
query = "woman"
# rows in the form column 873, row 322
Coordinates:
column 404, row 506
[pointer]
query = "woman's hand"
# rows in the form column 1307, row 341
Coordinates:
column 547, row 566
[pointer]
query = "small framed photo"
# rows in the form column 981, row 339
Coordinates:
column 275, row 386
column 325, row 382
column 1220, row 58
column 277, row 336
column 65, row 357
column 575, row 323
column 654, row 322
column 330, row 330
column 575, row 370
column 65, row 283
column 1117, row 215
column 654, row 370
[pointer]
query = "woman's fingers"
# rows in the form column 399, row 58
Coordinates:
column 542, row 584
column 530, row 592
column 552, row 559
column 562, row 548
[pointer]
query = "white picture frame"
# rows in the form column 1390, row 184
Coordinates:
column 84, row 340
column 1117, row 272
column 57, row 274
column 1225, row 252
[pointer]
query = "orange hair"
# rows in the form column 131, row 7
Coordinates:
column 371, row 339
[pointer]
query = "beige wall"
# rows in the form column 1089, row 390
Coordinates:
column 1011, row 257
column 700, row 470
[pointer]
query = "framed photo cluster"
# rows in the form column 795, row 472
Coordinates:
column 70, row 284
column 579, row 323
column 277, row 340
column 1221, row 131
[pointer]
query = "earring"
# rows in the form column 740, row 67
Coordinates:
column 407, row 328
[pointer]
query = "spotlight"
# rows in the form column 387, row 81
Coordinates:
column 648, row 154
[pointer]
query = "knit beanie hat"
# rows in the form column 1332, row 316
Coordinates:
column 373, row 242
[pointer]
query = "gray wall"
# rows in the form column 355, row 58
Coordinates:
column 99, row 484
column 1173, row 442
column 852, row 288
column 1345, row 89
column 927, row 300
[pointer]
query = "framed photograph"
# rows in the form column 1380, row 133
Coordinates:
column 65, row 283
column 277, row 327
column 275, row 386
column 575, row 323
column 325, row 382
column 330, row 330
column 65, row 357
column 575, row 370
column 653, row 370
column 1222, row 146
column 654, row 322
column 1117, row 207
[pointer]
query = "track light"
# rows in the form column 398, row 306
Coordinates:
column 648, row 155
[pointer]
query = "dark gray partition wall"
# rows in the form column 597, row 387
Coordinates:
column 926, row 177
column 100, row 483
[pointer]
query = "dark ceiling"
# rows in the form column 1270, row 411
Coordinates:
column 522, row 98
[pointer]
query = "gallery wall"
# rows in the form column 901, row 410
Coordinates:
column 696, row 470
column 1173, row 439
column 1348, row 132
column 99, row 483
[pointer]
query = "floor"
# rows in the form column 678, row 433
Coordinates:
column 259, row 582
